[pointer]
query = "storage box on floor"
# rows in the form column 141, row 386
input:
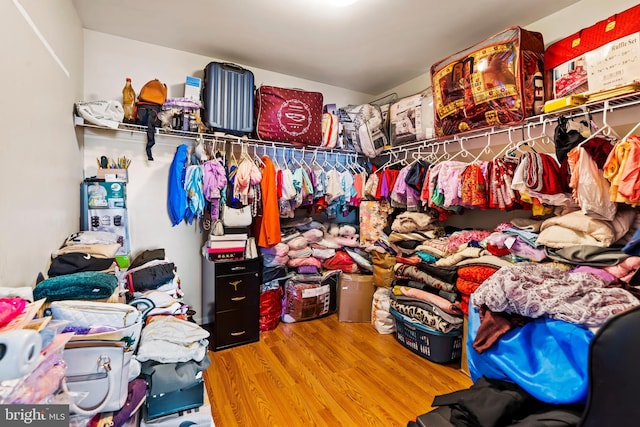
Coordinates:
column 355, row 298
column 432, row 345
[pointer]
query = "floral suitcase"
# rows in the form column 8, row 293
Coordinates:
column 289, row 115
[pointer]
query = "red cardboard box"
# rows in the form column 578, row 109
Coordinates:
column 603, row 56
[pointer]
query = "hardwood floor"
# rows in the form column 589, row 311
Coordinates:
column 324, row 373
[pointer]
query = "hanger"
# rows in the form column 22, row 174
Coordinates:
column 274, row 157
column 508, row 147
column 416, row 156
column 326, row 165
column 258, row 159
column 606, row 129
column 293, row 162
column 463, row 151
column 398, row 161
column 302, row 160
column 285, row 165
column 444, row 156
column 485, row 150
column 521, row 144
column 433, row 154
column 349, row 163
column 357, row 164
column 314, row 160
column 339, row 164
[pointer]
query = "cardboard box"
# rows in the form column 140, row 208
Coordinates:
column 192, row 88
column 597, row 58
column 113, row 175
column 355, row 298
column 116, row 221
column 106, row 195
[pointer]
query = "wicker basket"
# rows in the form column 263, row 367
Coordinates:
column 426, row 342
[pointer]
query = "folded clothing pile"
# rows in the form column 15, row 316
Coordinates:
column 426, row 293
column 151, row 270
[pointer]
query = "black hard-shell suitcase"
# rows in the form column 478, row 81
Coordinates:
column 228, row 98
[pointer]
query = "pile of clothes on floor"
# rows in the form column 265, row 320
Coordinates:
column 534, row 290
column 90, row 309
column 301, row 273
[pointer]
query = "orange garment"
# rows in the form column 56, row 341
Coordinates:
column 630, row 177
column 268, row 225
column 573, row 159
column 614, row 167
column 357, row 186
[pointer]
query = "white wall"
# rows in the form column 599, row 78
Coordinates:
column 108, row 60
column 41, row 163
column 553, row 28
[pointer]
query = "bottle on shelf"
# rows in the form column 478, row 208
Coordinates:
column 129, row 102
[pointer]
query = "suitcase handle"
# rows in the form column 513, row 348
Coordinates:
column 234, row 67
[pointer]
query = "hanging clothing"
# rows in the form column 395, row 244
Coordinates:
column 629, row 187
column 214, row 181
column 268, row 225
column 501, row 194
column 230, row 198
column 195, row 195
column 473, row 190
column 449, row 182
column 177, row 195
column 246, row 175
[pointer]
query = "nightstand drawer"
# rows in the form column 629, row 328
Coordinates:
column 236, row 291
column 236, row 327
column 226, row 268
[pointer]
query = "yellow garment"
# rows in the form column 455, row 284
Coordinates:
column 538, row 209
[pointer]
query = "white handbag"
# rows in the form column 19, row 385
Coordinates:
column 94, row 313
column 232, row 217
column 97, row 376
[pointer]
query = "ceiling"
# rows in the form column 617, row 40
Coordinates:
column 369, row 46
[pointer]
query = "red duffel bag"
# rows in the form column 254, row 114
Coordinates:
column 288, row 115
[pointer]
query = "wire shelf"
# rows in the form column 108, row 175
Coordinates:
column 610, row 104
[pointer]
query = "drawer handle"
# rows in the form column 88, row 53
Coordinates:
column 237, row 334
column 235, row 284
column 237, row 298
column 239, row 268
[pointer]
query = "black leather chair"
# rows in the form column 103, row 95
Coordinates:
column 614, row 373
column 614, row 381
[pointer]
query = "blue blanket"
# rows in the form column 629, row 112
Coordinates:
column 546, row 357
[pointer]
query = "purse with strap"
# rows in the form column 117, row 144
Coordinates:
column 97, row 376
column 233, row 217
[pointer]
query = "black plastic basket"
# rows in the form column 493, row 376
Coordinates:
column 432, row 345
